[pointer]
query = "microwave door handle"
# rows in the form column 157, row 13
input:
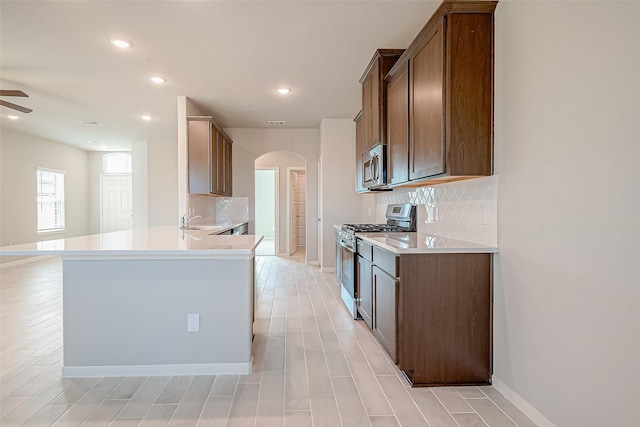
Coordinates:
column 374, row 168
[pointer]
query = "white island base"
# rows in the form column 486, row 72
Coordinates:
column 127, row 296
column 129, row 317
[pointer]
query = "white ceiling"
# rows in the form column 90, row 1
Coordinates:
column 227, row 56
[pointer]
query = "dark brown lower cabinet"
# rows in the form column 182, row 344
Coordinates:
column 385, row 289
column 432, row 314
column 444, row 319
column 365, row 291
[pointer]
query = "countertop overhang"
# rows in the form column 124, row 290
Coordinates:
column 420, row 243
column 149, row 243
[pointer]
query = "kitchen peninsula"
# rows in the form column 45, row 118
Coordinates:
column 154, row 301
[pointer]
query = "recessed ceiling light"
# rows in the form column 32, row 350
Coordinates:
column 13, row 117
column 158, row 79
column 283, row 90
column 147, row 118
column 276, row 123
column 103, row 147
column 120, row 43
column 88, row 122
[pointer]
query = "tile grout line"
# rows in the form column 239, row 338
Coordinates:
column 497, row 406
column 342, row 349
column 333, row 391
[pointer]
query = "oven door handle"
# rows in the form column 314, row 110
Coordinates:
column 347, row 247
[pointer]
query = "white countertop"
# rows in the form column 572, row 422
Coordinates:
column 153, row 242
column 420, row 243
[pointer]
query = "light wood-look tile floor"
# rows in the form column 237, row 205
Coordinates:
column 313, row 366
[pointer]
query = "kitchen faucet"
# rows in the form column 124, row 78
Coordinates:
column 184, row 222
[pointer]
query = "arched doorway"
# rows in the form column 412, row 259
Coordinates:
column 280, row 204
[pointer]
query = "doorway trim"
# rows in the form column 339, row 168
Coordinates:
column 276, row 196
column 289, row 169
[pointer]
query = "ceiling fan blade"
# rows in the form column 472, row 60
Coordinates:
column 15, row 107
column 13, row 93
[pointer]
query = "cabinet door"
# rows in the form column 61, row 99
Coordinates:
column 216, row 145
column 365, row 291
column 385, row 323
column 225, row 164
column 398, row 127
column 359, row 151
column 199, row 147
column 367, row 113
column 374, row 108
column 426, row 155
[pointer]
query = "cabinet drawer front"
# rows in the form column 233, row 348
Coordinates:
column 365, row 250
column 387, row 261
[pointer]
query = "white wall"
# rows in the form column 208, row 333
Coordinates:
column 185, row 107
column 340, row 202
column 281, row 160
column 95, row 204
column 20, row 155
column 139, row 183
column 567, row 292
column 162, row 181
column 154, row 172
column 249, row 144
column 265, row 203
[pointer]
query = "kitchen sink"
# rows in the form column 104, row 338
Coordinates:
column 204, row 227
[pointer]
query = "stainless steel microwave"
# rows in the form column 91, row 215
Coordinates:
column 374, row 167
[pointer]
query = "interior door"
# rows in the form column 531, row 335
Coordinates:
column 117, row 210
column 301, row 176
column 293, row 212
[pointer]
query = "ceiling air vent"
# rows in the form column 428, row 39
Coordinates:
column 276, row 122
column 88, row 122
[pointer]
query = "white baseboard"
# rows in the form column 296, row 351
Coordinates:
column 329, row 270
column 526, row 408
column 314, row 263
column 23, row 261
column 156, row 370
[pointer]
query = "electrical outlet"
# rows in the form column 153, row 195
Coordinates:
column 193, row 322
column 484, row 213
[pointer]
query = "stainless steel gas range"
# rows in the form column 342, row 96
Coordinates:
column 400, row 218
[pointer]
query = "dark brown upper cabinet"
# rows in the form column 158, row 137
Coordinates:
column 448, row 127
column 359, row 149
column 398, row 126
column 426, row 87
column 210, row 157
column 373, row 96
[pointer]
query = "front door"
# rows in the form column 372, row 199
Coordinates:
column 117, row 210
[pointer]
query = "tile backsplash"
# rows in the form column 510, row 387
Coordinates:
column 464, row 210
column 218, row 209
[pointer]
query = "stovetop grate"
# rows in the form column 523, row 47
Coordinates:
column 372, row 228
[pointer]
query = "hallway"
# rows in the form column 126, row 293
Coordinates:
column 313, row 366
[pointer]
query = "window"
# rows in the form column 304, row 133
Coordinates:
column 116, row 163
column 50, row 200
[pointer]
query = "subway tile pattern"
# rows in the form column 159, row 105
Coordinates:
column 313, row 366
column 464, row 210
